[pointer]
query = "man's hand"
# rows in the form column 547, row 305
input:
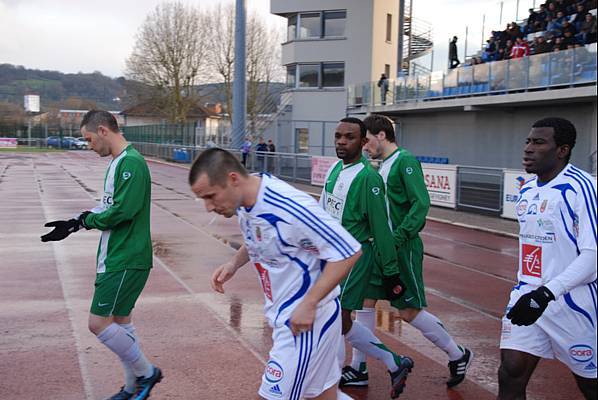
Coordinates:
column 222, row 274
column 530, row 306
column 302, row 319
column 81, row 219
column 393, row 286
column 62, row 229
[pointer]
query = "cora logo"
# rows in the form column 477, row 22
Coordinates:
column 581, row 352
column 521, row 207
column 274, row 372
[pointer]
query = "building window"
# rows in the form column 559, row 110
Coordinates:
column 291, row 76
column 316, row 75
column 292, row 27
column 301, row 140
column 309, row 25
column 387, row 70
column 308, row 75
column 388, row 27
column 334, row 23
column 333, row 74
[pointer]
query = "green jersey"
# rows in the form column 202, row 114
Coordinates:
column 406, row 194
column 354, row 195
column 123, row 215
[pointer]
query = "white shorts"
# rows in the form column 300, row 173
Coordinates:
column 566, row 331
column 305, row 365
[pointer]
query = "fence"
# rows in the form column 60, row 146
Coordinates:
column 541, row 71
column 478, row 189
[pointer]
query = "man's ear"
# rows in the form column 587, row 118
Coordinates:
column 381, row 135
column 563, row 151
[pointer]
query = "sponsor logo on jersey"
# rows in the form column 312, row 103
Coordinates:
column 275, row 391
column 543, row 206
column 376, row 191
column 546, row 225
column 532, row 210
column 576, row 226
column 107, row 199
column 521, row 181
column 265, row 278
column 274, row 372
column 126, row 175
column 581, row 352
column 521, row 208
column 537, row 197
column 531, row 260
column 590, row 367
column 549, row 237
column 258, row 233
column 334, row 206
column 409, row 170
column 309, row 246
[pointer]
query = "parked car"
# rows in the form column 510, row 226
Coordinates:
column 79, row 144
column 53, row 142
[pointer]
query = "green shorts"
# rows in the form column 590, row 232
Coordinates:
column 354, row 286
column 410, row 258
column 116, row 292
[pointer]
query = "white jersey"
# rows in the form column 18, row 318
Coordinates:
column 289, row 238
column 557, row 221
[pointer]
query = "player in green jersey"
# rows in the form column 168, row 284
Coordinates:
column 124, row 256
column 408, row 203
column 354, row 195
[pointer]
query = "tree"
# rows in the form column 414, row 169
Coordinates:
column 262, row 59
column 169, row 55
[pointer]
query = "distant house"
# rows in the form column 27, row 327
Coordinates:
column 71, row 119
column 208, row 119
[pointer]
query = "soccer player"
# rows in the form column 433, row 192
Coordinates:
column 552, row 309
column 300, row 255
column 354, row 195
column 408, row 203
column 124, row 256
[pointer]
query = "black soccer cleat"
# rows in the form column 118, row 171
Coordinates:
column 398, row 379
column 458, row 368
column 353, row 377
column 122, row 395
column 145, row 385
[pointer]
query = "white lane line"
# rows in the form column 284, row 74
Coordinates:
column 60, row 258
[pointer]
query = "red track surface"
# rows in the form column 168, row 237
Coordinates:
column 210, row 346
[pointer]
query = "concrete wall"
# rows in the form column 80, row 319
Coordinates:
column 384, row 52
column 494, row 138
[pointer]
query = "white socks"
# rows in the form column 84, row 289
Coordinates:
column 366, row 317
column 434, row 331
column 130, row 378
column 364, row 340
column 126, row 346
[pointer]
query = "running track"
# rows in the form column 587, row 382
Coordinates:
column 210, row 346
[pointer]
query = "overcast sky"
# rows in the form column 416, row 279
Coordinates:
column 85, row 36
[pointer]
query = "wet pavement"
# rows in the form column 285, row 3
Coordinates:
column 211, row 346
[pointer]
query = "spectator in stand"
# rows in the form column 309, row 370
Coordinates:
column 551, row 12
column 587, row 32
column 514, row 31
column 508, row 49
column 520, row 49
column 558, row 44
column 490, row 51
column 271, row 149
column 453, row 57
column 553, row 27
column 568, row 39
column 500, row 54
column 580, row 16
column 542, row 13
column 245, row 149
column 569, row 27
column 542, row 46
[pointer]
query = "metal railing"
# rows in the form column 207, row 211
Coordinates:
column 565, row 68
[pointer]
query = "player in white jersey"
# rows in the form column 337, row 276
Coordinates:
column 300, row 254
column 552, row 310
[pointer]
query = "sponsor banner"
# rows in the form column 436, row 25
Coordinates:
column 8, row 142
column 513, row 180
column 441, row 181
column 319, row 167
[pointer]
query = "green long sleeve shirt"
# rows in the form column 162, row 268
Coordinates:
column 123, row 215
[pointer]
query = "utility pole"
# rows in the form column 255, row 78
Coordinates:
column 239, row 84
column 400, row 38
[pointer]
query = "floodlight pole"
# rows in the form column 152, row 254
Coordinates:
column 239, row 84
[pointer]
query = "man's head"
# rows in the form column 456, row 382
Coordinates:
column 98, row 127
column 379, row 132
column 349, row 139
column 548, row 146
column 455, row 39
column 261, row 140
column 216, row 177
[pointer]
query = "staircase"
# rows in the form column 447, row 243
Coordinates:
column 417, row 42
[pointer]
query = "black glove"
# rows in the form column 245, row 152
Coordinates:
column 62, row 229
column 530, row 306
column 390, row 286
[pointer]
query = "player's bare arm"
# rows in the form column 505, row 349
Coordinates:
column 226, row 271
